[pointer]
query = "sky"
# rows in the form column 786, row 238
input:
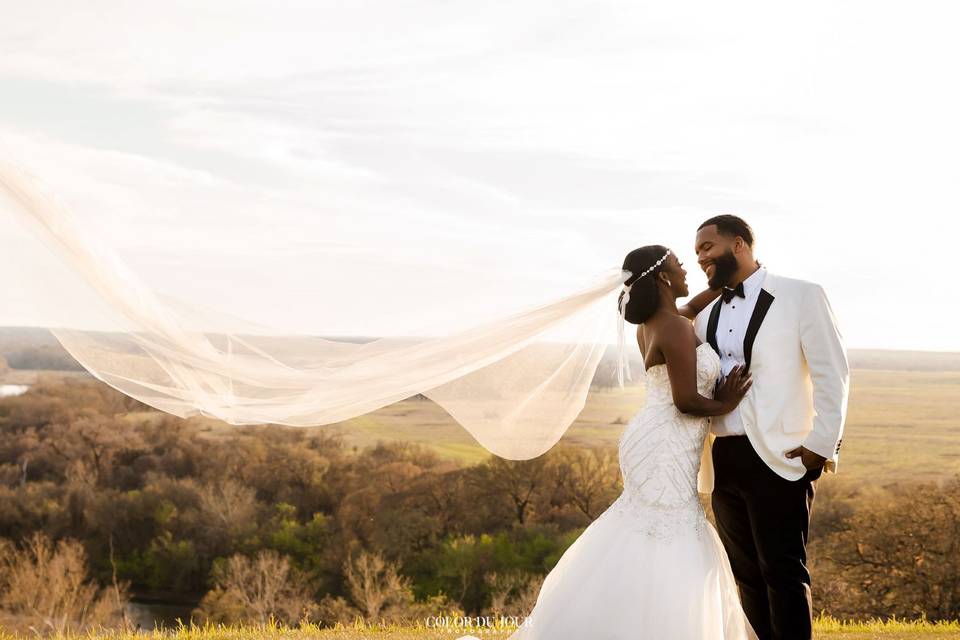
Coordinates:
column 367, row 167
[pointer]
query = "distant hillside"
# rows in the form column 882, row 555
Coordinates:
column 884, row 360
column 36, row 348
column 864, row 359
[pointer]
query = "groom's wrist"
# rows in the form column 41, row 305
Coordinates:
column 820, row 446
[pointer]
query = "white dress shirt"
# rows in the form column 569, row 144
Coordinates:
column 731, row 329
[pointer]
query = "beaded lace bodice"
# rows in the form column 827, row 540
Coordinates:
column 660, row 452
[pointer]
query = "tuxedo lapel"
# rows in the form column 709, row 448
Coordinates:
column 764, row 300
column 712, row 325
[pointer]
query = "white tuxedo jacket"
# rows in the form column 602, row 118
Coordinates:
column 801, row 377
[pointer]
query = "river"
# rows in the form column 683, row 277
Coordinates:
column 12, row 389
column 148, row 615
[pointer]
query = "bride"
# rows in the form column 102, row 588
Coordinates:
column 651, row 565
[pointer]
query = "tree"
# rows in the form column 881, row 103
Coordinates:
column 227, row 511
column 523, row 483
column 379, row 594
column 588, row 478
column 512, row 593
column 897, row 555
column 46, row 589
column 257, row 590
column 375, row 585
column 91, row 442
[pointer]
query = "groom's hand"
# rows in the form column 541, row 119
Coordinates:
column 809, row 459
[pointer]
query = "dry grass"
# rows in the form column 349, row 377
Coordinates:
column 901, row 425
column 825, row 629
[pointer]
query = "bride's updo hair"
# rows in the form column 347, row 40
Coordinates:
column 644, row 297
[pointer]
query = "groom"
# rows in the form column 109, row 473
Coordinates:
column 768, row 453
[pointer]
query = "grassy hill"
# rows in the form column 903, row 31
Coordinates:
column 900, row 425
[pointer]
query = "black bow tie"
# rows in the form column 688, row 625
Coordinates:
column 729, row 293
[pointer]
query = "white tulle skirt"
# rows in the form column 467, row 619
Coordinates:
column 617, row 583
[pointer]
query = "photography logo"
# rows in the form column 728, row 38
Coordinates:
column 474, row 627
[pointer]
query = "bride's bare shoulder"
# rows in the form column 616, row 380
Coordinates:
column 664, row 328
column 676, row 324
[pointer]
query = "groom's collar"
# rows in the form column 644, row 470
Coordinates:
column 770, row 281
column 754, row 281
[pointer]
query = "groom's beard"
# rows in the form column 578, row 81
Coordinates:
column 723, row 269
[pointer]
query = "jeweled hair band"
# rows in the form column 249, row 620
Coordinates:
column 622, row 362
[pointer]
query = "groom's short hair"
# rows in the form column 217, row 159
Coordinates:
column 730, row 225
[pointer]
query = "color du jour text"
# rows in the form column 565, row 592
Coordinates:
column 476, row 622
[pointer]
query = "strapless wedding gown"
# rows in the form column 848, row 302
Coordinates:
column 651, row 565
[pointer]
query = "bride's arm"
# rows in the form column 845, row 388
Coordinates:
column 679, row 348
column 698, row 303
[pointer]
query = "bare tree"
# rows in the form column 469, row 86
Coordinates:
column 257, row 590
column 379, row 594
column 45, row 589
column 897, row 555
column 92, row 441
column 375, row 584
column 522, row 482
column 588, row 478
column 228, row 510
column 512, row 593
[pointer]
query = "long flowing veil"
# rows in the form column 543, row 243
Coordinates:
column 504, row 380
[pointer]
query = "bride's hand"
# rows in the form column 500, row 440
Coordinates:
column 734, row 387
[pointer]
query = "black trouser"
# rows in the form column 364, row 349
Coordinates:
column 763, row 521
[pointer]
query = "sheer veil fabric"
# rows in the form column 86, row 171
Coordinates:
column 515, row 392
